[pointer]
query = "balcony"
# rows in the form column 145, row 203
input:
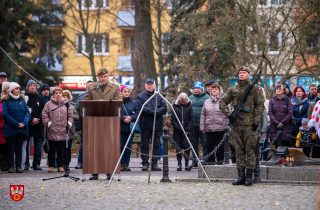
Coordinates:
column 51, row 19
column 124, row 63
column 126, row 18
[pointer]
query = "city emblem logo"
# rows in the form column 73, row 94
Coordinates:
column 16, row 192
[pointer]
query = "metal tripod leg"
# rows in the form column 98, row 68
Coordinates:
column 187, row 138
column 124, row 148
column 153, row 132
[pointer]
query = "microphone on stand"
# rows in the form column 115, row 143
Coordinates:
column 99, row 85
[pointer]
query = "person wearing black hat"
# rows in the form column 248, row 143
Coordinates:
column 45, row 92
column 3, row 78
column 289, row 94
column 35, row 104
column 146, row 124
column 208, row 86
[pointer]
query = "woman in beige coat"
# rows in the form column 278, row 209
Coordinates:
column 56, row 123
column 213, row 122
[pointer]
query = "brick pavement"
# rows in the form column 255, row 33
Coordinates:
column 133, row 192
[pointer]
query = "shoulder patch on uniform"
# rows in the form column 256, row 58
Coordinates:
column 260, row 89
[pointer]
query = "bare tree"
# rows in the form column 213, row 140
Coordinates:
column 143, row 61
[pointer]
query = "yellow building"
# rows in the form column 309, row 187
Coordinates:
column 110, row 26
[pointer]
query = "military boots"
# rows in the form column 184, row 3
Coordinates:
column 248, row 181
column 241, row 177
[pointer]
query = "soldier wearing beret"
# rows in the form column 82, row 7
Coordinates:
column 244, row 135
column 106, row 91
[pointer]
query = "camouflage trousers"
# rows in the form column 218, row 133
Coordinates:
column 244, row 141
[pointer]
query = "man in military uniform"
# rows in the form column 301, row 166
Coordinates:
column 244, row 135
column 107, row 91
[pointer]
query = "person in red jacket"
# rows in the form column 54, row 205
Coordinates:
column 3, row 143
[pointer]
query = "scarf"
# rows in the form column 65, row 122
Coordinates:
column 244, row 83
column 14, row 97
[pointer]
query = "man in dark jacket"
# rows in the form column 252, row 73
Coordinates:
column 45, row 92
column 208, row 86
column 289, row 94
column 198, row 98
column 312, row 94
column 78, row 127
column 36, row 104
column 146, row 123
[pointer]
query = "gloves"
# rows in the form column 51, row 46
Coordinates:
column 231, row 118
column 254, row 127
column 49, row 123
column 70, row 124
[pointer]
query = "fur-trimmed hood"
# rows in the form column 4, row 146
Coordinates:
column 7, row 97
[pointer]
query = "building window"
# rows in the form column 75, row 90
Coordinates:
column 275, row 41
column 98, row 42
column 132, row 43
column 313, row 41
column 94, row 4
column 165, row 42
column 272, row 2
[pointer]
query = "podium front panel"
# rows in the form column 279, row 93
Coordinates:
column 101, row 144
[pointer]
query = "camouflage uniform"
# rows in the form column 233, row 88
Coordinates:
column 244, row 139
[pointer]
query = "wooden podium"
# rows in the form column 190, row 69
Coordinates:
column 100, row 135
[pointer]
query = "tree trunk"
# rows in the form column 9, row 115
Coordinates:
column 143, row 63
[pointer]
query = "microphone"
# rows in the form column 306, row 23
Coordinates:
column 99, row 85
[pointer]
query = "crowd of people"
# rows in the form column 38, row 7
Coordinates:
column 30, row 115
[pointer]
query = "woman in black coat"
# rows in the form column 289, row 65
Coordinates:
column 182, row 106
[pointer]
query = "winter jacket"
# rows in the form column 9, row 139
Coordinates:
column 290, row 94
column 133, row 111
column 57, row 119
column 311, row 99
column 263, row 127
column 197, row 104
column 75, row 117
column 2, row 140
column 78, row 123
column 186, row 118
column 14, row 112
column 147, row 115
column 212, row 119
column 305, row 137
column 300, row 109
column 310, row 109
column 280, row 111
column 35, row 104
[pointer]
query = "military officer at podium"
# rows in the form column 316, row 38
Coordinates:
column 106, row 91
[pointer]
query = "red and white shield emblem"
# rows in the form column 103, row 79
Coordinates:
column 16, row 192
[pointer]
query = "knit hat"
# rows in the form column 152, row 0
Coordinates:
column 210, row 82
column 30, row 82
column 198, row 84
column 286, row 85
column 13, row 85
column 44, row 87
column 243, row 68
column 305, row 121
column 5, row 85
column 123, row 87
column 102, row 71
column 68, row 94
